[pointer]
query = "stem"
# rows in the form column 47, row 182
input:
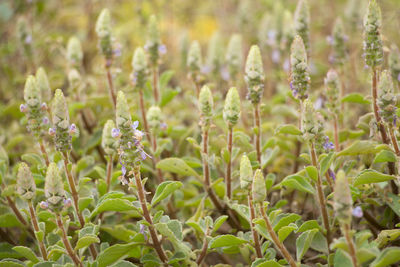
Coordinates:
column 19, row 216
column 298, row 143
column 350, row 244
column 321, row 197
column 155, row 83
column 335, row 126
column 394, row 140
column 204, row 248
column 281, row 247
column 66, row 242
column 229, row 166
column 197, row 85
column 253, row 231
column 36, row 228
column 110, row 83
column 109, row 172
column 143, row 111
column 257, row 125
column 147, row 216
column 44, row 153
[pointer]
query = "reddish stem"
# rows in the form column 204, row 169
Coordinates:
column 253, row 231
column 229, row 165
column 36, row 228
column 257, row 125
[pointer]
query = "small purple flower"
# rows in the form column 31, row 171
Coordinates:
column 72, row 129
column 395, row 120
column 135, row 124
column 143, row 155
column 52, row 131
column 138, row 134
column 67, row 202
column 398, row 77
column 44, row 205
column 45, row 120
column 146, row 47
column 143, row 231
column 28, row 39
column 332, row 174
column 115, row 132
column 276, row 56
column 286, row 65
column 163, row 126
column 117, row 50
column 205, row 69
column 23, row 108
column 357, row 212
column 123, row 169
column 43, row 106
column 225, row 74
column 329, row 39
column 162, row 49
column 328, row 145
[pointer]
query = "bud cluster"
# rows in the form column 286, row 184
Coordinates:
column 338, row 42
column 333, row 88
column 373, row 48
column 103, row 30
column 154, row 117
column 206, row 105
column 108, row 142
column 194, row 62
column 300, row 77
column 215, row 54
column 259, row 189
column 387, row 98
column 26, row 186
column 254, row 75
column 53, row 188
column 140, row 70
column 394, row 62
column 231, row 110
column 234, row 57
column 153, row 44
column 74, row 52
column 302, row 22
column 312, row 126
column 246, row 173
column 342, row 199
column 43, row 83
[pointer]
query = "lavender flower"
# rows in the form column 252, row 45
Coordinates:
column 357, row 212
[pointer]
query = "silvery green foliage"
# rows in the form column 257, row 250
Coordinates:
column 373, row 48
column 215, row 53
column 342, row 199
column 54, row 187
column 74, row 52
column 231, row 110
column 140, row 69
column 302, row 22
column 234, row 56
column 194, row 61
column 62, row 136
column 26, row 186
column 339, row 52
column 34, row 108
column 43, row 83
column 254, row 75
column 24, row 34
column 258, row 188
column 300, row 77
column 154, row 117
column 394, row 62
column 246, row 172
column 312, row 126
column 387, row 98
column 333, row 88
column 206, row 105
column 103, row 30
column 153, row 42
column 108, row 142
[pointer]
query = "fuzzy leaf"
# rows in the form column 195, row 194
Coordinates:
column 371, row 176
column 176, row 165
column 164, row 190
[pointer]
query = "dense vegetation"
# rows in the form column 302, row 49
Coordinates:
column 122, row 143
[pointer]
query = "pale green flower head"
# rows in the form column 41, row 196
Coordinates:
column 312, row 126
column 300, row 77
column 373, row 48
column 74, row 78
column 254, row 75
column 394, row 62
column 43, row 84
column 194, row 59
column 339, row 42
column 206, row 105
column 302, row 22
column 215, row 53
column 231, row 110
column 103, row 23
column 24, row 34
column 387, row 98
column 354, row 13
column 246, row 172
column 288, row 31
column 54, row 187
column 153, row 40
column 234, row 56
column 60, row 110
column 343, row 202
column 26, row 186
column 154, row 117
column 140, row 69
column 259, row 189
column 333, row 87
column 32, row 94
column 123, row 116
column 108, row 142
column 74, row 52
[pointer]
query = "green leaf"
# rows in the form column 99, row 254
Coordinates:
column 326, row 163
column 112, row 205
column 387, row 257
column 84, row 202
column 341, row 259
column 173, row 231
column 359, row 148
column 288, row 129
column 219, row 222
column 11, row 263
column 176, row 165
column 32, row 158
column 164, row 190
column 285, row 231
column 298, row 182
column 123, row 263
column 308, row 225
column 393, row 202
column 9, row 220
column 27, row 253
column 284, row 219
column 355, row 98
column 312, row 172
column 86, row 241
column 270, row 263
column 303, row 243
column 385, row 156
column 114, row 253
column 165, row 77
column 225, row 241
column 387, row 236
column 371, row 176
column 6, row 251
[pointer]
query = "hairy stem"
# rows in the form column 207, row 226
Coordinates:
column 143, row 111
column 228, row 181
column 147, row 216
column 109, row 172
column 44, row 152
column 256, row 239
column 204, row 248
column 394, row 140
column 336, row 133
column 35, row 225
column 350, row 244
column 257, row 137
column 110, row 83
column 281, row 247
column 155, row 84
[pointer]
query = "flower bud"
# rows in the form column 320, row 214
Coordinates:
column 234, row 56
column 74, row 79
column 373, row 49
column 61, row 122
column 215, row 53
column 353, row 12
column 311, row 125
column 139, row 65
column 387, row 98
column 342, row 199
column 74, row 52
column 333, row 87
column 394, row 62
column 338, row 43
column 259, row 189
column 153, row 40
column 288, row 31
column 103, row 30
column 108, row 142
column 302, row 22
column 254, row 75
column 24, row 34
column 231, row 110
column 26, row 186
column 32, row 94
column 246, row 172
column 154, row 117
column 43, row 84
column 123, row 116
column 206, row 105
column 194, row 61
column 300, row 77
column 54, row 187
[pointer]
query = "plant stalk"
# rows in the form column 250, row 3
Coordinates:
column 228, row 180
column 257, row 137
column 336, row 133
column 204, row 248
column 109, row 172
column 155, row 84
column 350, row 244
column 253, row 231
column 44, row 152
column 35, row 225
column 110, row 83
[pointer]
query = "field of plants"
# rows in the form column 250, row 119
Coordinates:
column 256, row 133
